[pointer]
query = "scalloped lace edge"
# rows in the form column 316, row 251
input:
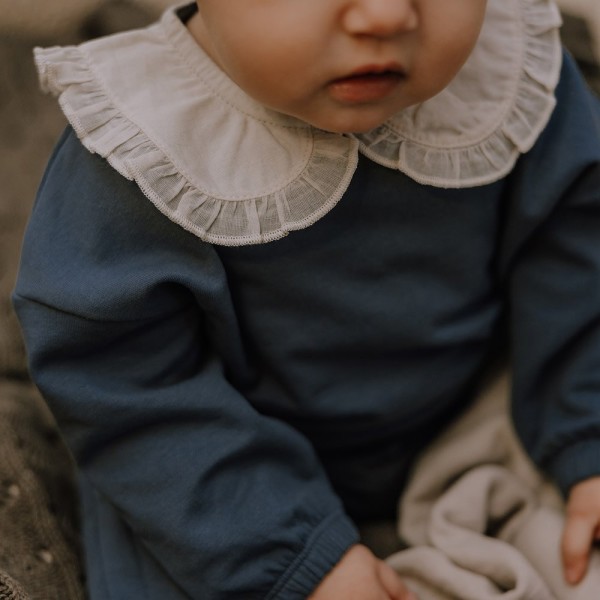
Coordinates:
column 104, row 130
column 494, row 154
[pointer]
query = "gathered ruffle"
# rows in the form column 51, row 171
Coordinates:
column 315, row 187
column 479, row 144
column 234, row 173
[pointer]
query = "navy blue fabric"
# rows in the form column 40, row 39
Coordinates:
column 552, row 266
column 235, row 410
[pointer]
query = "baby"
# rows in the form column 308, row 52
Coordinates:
column 275, row 254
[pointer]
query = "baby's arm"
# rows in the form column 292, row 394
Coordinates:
column 216, row 500
column 581, row 529
column 552, row 253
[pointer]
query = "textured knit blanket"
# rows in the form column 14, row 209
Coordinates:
column 39, row 550
column 480, row 520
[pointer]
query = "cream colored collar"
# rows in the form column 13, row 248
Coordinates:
column 234, row 172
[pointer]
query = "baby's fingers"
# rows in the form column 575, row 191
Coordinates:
column 392, row 583
column 578, row 536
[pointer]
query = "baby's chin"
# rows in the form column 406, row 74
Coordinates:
column 356, row 123
column 336, row 117
column 351, row 127
column 342, row 119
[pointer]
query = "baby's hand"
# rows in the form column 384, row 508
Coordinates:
column 581, row 528
column 362, row 576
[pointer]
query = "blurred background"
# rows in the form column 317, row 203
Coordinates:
column 31, row 122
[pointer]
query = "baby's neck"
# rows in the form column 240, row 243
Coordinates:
column 197, row 29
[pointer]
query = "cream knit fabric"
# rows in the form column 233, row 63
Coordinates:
column 482, row 521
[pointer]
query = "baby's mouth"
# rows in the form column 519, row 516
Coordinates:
column 365, row 85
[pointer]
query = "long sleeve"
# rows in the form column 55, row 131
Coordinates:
column 554, row 289
column 129, row 327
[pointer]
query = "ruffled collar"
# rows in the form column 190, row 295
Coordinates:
column 233, row 172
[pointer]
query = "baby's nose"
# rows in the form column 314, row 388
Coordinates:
column 380, row 18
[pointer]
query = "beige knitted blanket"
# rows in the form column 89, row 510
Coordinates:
column 39, row 550
column 481, row 521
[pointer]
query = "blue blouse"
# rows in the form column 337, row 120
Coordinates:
column 236, row 411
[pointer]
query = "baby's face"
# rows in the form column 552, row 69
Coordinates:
column 340, row 65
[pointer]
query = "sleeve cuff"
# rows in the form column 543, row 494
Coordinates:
column 324, row 549
column 574, row 464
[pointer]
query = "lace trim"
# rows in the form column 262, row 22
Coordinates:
column 478, row 145
column 104, row 129
column 307, row 171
